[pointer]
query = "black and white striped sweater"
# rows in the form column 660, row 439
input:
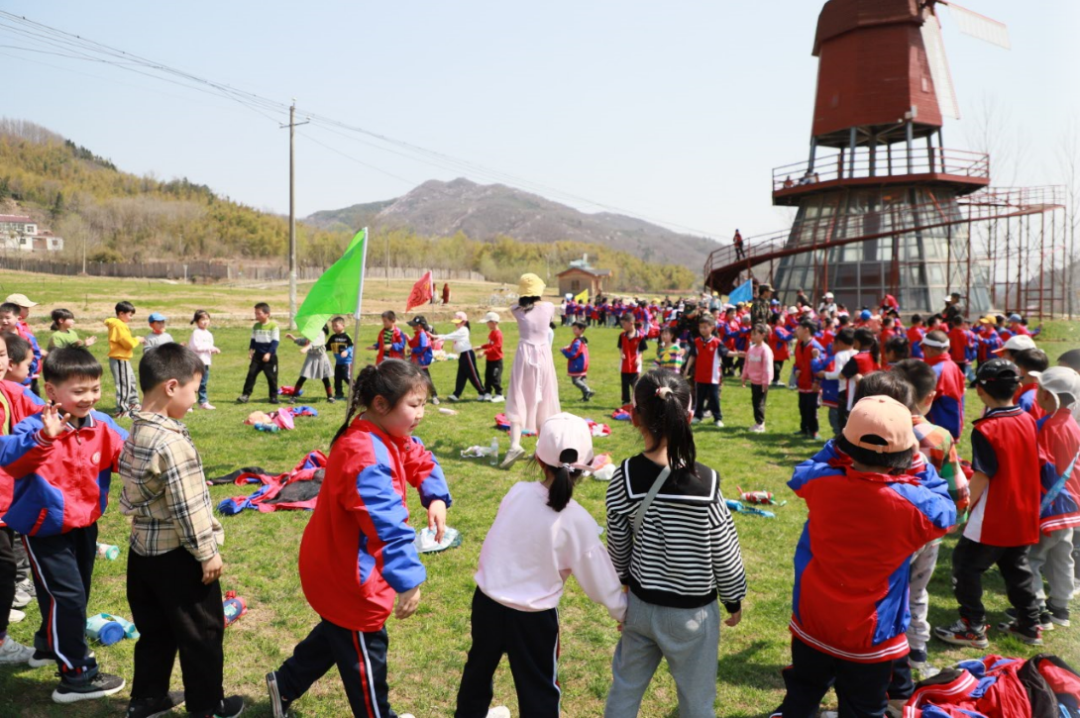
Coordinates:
column 688, row 552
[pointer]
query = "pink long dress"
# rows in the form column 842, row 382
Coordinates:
column 534, row 387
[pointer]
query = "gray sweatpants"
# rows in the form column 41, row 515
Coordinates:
column 689, row 638
column 922, row 570
column 127, row 391
column 1052, row 558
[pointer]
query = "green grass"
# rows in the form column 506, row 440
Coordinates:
column 427, row 651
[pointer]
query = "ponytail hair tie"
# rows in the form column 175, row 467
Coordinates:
column 663, row 392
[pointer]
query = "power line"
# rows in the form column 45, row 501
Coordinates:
column 67, row 45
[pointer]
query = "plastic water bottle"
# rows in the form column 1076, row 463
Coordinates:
column 493, row 452
column 108, row 551
column 269, row 428
column 104, row 630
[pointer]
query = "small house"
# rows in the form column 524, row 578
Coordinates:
column 581, row 276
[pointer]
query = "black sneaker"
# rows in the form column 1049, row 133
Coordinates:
column 229, row 708
column 1031, row 636
column 42, row 659
column 963, row 633
column 278, row 705
column 274, row 400
column 1045, row 621
column 1060, row 616
column 242, row 399
column 154, row 707
column 99, row 686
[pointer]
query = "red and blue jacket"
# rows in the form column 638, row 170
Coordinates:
column 35, row 366
column 988, row 341
column 780, row 343
column 947, row 411
column 420, row 344
column 852, row 562
column 16, row 403
column 804, row 363
column 830, row 388
column 577, row 355
column 395, row 349
column 915, row 336
column 1024, row 397
column 1004, row 446
column 357, row 553
column 1059, row 453
column 58, row 484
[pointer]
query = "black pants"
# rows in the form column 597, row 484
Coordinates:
column 467, row 374
column 341, row 379
column 63, row 567
column 972, row 559
column 493, row 377
column 581, row 383
column 176, row 613
column 758, row 395
column 740, row 253
column 777, row 367
column 7, row 577
column 902, row 684
column 360, row 659
column 530, row 640
column 300, row 385
column 860, row 687
column 808, row 421
column 841, row 407
column 257, row 366
column 728, row 365
column 628, row 382
column 707, row 398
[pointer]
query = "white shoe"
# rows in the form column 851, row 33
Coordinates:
column 11, row 651
column 22, row 599
column 16, row 616
column 406, row 715
column 484, row 397
column 498, row 399
column 695, row 420
column 452, row 399
column 515, row 453
column 719, row 424
column 207, row 406
column 499, row 712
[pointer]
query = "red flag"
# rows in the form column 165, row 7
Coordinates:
column 421, row 292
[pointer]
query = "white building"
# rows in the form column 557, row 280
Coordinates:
column 19, row 232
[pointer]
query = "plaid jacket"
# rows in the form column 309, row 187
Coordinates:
column 165, row 490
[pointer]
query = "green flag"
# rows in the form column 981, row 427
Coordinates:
column 337, row 291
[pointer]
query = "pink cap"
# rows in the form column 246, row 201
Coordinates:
column 460, row 317
column 560, row 433
column 880, row 424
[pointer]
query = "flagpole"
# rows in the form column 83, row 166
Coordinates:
column 359, row 306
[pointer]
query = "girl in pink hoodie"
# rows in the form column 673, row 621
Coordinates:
column 758, row 369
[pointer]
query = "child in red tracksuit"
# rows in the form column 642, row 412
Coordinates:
column 391, row 342
column 851, row 583
column 806, row 351
column 62, row 460
column 357, row 553
column 493, row 352
column 632, row 347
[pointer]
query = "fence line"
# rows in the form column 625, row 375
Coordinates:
column 201, row 271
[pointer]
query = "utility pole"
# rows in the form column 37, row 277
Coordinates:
column 292, row 211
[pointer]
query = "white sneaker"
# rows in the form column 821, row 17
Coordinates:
column 22, row 599
column 499, row 712
column 695, row 420
column 452, row 399
column 16, row 616
column 498, row 399
column 719, row 424
column 484, row 397
column 11, row 651
column 207, row 406
column 515, row 453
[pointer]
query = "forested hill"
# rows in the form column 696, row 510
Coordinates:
column 121, row 217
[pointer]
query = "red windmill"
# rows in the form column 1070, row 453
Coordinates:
column 877, row 199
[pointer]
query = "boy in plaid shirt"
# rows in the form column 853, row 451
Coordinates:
column 174, row 564
column 938, row 448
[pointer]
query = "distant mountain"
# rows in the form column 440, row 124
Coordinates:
column 484, row 212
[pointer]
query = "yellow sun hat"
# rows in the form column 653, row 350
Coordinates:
column 531, row 285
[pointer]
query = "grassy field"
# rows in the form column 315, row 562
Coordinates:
column 427, row 651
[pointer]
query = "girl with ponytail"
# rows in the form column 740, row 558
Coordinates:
column 540, row 537
column 357, row 554
column 673, row 542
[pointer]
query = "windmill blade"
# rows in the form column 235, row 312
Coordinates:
column 987, row 29
column 939, row 68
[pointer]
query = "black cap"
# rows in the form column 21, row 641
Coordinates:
column 417, row 321
column 998, row 370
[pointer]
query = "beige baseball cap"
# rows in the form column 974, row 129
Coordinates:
column 880, row 424
column 21, row 300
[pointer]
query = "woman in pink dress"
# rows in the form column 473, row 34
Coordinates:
column 534, row 386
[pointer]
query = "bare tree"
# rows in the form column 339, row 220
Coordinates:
column 1069, row 163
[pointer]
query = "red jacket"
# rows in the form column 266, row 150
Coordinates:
column 493, row 350
column 804, row 355
column 63, row 482
column 1024, row 397
column 947, row 411
column 357, row 552
column 1059, row 454
column 1007, row 514
column 958, row 343
column 394, row 350
column 630, row 352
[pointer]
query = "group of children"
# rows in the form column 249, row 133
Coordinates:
column 672, row 555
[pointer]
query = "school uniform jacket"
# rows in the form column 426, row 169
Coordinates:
column 493, row 350
column 708, row 359
column 357, row 552
column 1059, row 453
column 915, row 336
column 804, row 358
column 394, row 350
column 1024, row 397
column 1004, row 446
column 62, row 483
column 420, row 344
column 577, row 355
column 780, row 342
column 631, row 351
column 852, row 563
column 948, row 408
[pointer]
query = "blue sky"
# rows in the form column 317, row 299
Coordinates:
column 676, row 112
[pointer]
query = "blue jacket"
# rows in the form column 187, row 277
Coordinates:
column 577, row 355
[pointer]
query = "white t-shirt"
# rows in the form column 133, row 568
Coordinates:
column 531, row 549
column 202, row 343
